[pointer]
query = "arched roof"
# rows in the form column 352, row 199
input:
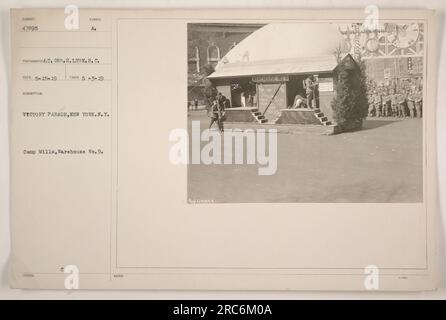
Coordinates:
column 287, row 45
column 287, row 40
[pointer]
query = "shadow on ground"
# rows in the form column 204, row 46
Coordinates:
column 373, row 124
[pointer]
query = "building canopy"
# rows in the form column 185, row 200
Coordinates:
column 279, row 66
column 283, row 48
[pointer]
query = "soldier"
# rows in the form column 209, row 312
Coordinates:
column 394, row 104
column 386, row 105
column 222, row 113
column 411, row 104
column 418, row 100
column 298, row 102
column 220, row 98
column 383, row 101
column 378, row 104
column 213, row 113
column 309, row 86
column 401, row 105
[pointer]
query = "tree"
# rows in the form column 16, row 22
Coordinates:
column 350, row 104
column 364, row 80
column 209, row 90
column 338, row 53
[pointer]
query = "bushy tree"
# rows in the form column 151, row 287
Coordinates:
column 209, row 90
column 350, row 104
column 364, row 80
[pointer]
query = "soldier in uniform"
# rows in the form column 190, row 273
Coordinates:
column 394, row 103
column 222, row 113
column 299, row 102
column 386, row 105
column 401, row 105
column 213, row 113
column 220, row 98
column 384, row 109
column 418, row 101
column 309, row 86
column 217, row 114
column 378, row 104
column 410, row 103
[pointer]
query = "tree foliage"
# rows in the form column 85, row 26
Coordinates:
column 207, row 70
column 209, row 90
column 350, row 103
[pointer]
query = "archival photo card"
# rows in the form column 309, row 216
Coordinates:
column 223, row 149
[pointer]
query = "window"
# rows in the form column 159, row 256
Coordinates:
column 213, row 54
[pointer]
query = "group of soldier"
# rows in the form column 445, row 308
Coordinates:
column 395, row 100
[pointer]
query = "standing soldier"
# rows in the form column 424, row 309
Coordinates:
column 401, row 105
column 220, row 98
column 418, row 100
column 309, row 86
column 386, row 104
column 221, row 113
column 394, row 103
column 410, row 103
column 383, row 101
column 378, row 104
column 397, row 102
column 213, row 113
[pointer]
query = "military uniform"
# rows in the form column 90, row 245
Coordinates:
column 309, row 91
column 221, row 112
column 213, row 113
column 378, row 104
column 418, row 101
column 401, row 105
column 394, row 104
column 411, row 105
column 386, row 106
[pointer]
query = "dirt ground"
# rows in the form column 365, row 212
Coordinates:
column 380, row 163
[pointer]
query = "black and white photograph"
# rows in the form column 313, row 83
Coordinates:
column 315, row 112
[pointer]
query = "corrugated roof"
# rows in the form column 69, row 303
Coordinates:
column 280, row 66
